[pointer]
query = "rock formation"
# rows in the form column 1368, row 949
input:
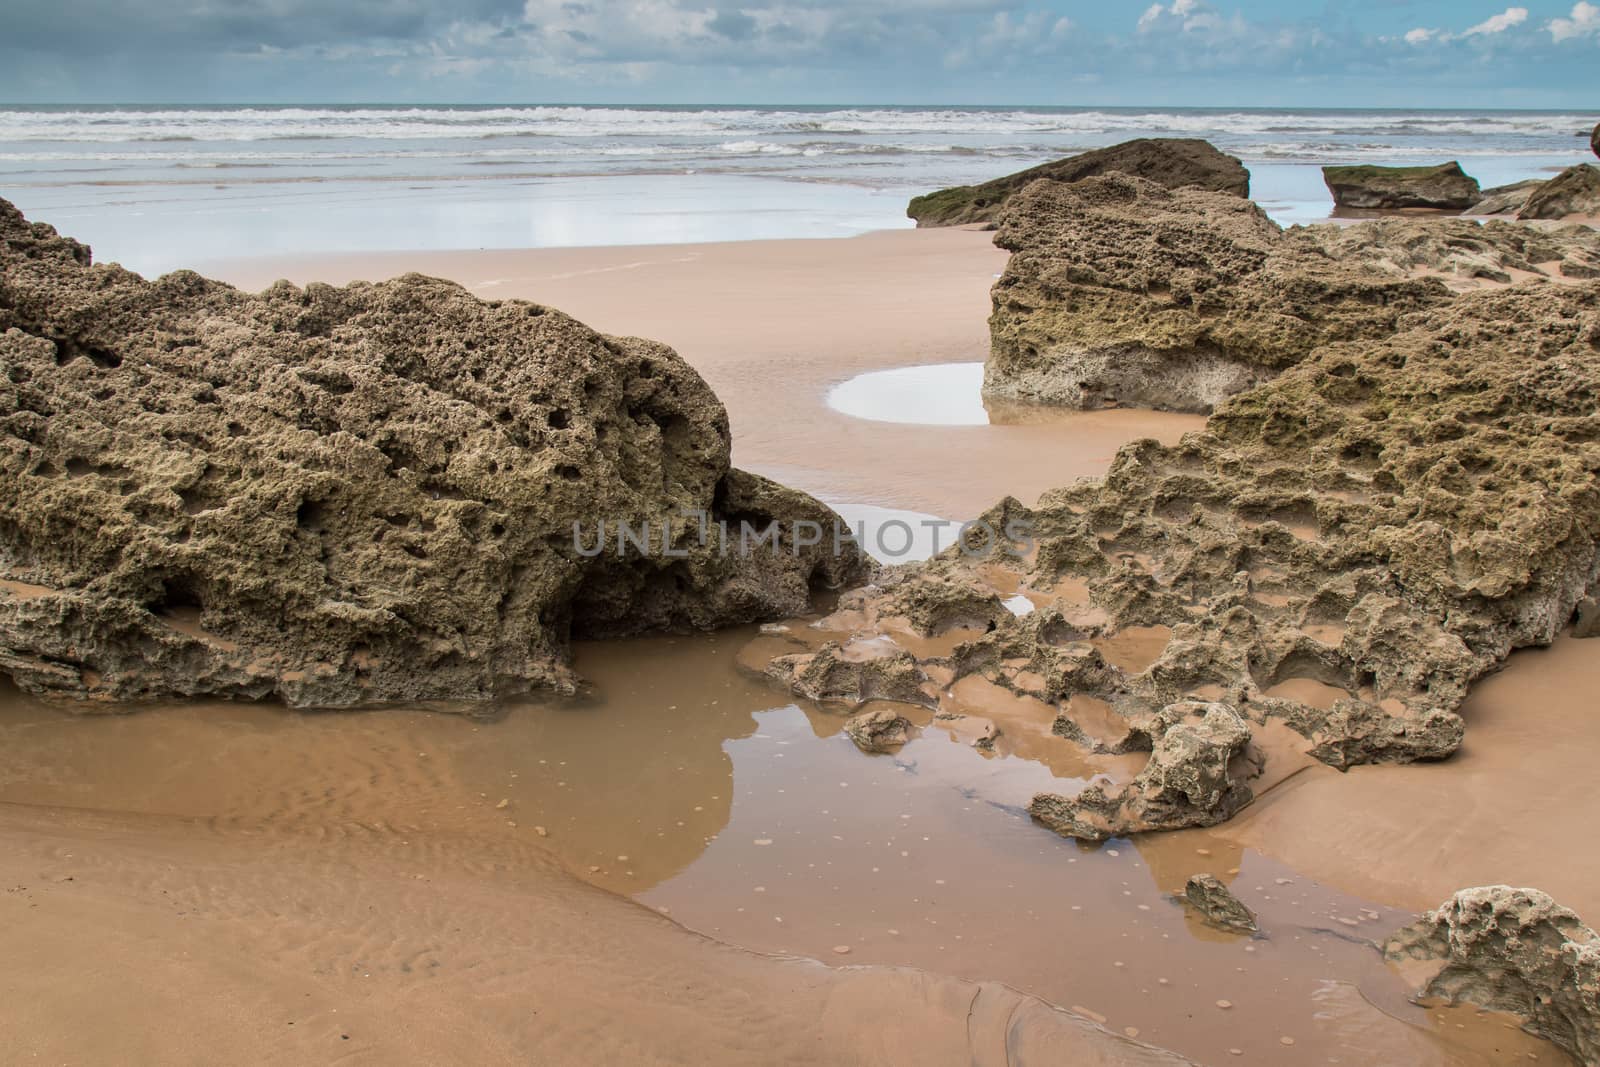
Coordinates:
column 1513, row 950
column 1573, row 192
column 1169, row 161
column 878, row 731
column 1120, row 291
column 1445, row 187
column 342, row 496
column 1506, row 199
column 1594, row 139
column 1216, row 902
column 1320, row 574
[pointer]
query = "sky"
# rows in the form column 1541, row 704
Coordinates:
column 1373, row 53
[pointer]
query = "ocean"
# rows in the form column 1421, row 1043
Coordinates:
column 156, row 188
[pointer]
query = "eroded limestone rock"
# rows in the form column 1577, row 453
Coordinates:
column 1198, row 775
column 1207, row 894
column 1170, row 161
column 1121, row 292
column 1445, row 187
column 880, row 730
column 1319, row 575
column 343, row 496
column 1513, row 950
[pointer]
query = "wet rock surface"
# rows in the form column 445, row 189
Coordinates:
column 1207, row 894
column 344, row 496
column 1513, row 950
column 878, row 731
column 1173, row 162
column 1121, row 292
column 1445, row 187
column 1319, row 575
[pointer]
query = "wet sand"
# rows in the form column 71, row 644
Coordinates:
column 1516, row 805
column 354, row 871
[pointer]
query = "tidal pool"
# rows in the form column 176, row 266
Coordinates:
column 686, row 781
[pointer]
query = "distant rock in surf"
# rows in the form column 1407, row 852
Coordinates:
column 1445, row 187
column 1573, row 192
column 1169, row 161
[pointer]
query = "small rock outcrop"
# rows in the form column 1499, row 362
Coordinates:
column 1217, row 905
column 1517, row 951
column 1194, row 778
column 1171, row 162
column 345, row 496
column 1445, row 187
column 878, row 731
column 1121, row 292
column 1573, row 192
column 1594, row 140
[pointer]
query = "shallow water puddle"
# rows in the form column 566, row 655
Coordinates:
column 693, row 786
column 935, row 394
column 940, row 394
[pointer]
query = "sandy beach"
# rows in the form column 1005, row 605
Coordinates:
column 373, row 886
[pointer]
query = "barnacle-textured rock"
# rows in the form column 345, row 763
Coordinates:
column 1513, row 950
column 1198, row 773
column 1120, row 291
column 854, row 674
column 1215, row 901
column 1319, row 575
column 1172, row 161
column 340, row 496
column 1444, row 187
column 1575, row 191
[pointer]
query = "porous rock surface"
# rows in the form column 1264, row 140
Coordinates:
column 1513, row 950
column 880, row 730
column 1170, row 161
column 1207, row 894
column 1320, row 574
column 1445, row 187
column 1573, row 192
column 343, row 496
column 1122, row 292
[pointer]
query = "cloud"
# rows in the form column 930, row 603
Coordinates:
column 1583, row 22
column 1186, row 15
column 1511, row 16
column 1492, row 26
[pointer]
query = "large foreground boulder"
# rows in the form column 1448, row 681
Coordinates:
column 342, row 496
column 1573, row 192
column 1122, row 292
column 1517, row 951
column 1168, row 161
column 1445, row 187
